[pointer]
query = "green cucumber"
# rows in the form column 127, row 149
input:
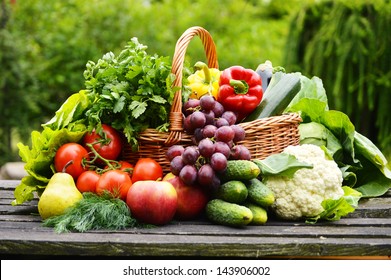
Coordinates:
column 240, row 170
column 259, row 193
column 229, row 214
column 279, row 93
column 259, row 213
column 232, row 191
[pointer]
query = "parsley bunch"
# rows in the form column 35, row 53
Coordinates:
column 131, row 92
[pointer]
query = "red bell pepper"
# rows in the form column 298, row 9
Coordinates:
column 240, row 90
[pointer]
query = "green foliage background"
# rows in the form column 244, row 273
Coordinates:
column 45, row 45
column 346, row 44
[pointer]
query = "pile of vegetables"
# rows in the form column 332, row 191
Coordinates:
column 321, row 179
column 122, row 91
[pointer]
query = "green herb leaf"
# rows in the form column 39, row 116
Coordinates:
column 94, row 212
column 126, row 88
column 119, row 105
column 137, row 108
column 158, row 99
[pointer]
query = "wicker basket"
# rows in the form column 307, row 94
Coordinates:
column 263, row 136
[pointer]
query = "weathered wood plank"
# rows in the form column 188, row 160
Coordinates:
column 120, row 244
column 365, row 222
column 7, row 202
column 270, row 230
column 6, row 195
column 381, row 222
column 25, row 209
column 378, row 208
column 9, row 184
column 20, row 218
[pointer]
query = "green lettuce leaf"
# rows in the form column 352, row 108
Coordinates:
column 39, row 158
column 311, row 89
column 349, row 177
column 343, row 129
column 26, row 189
column 335, row 209
column 367, row 149
column 281, row 164
column 317, row 134
column 371, row 182
column 70, row 111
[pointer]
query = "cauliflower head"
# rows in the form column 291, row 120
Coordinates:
column 301, row 196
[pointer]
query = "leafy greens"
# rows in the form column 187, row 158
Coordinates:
column 364, row 166
column 131, row 91
column 39, row 158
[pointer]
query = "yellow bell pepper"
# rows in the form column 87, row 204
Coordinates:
column 204, row 81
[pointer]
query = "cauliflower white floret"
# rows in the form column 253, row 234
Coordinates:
column 302, row 195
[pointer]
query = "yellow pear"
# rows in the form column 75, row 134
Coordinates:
column 59, row 194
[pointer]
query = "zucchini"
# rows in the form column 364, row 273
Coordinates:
column 279, row 93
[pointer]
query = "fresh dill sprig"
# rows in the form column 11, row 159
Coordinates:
column 94, row 212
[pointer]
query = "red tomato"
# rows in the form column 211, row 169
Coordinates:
column 126, row 167
column 147, row 169
column 116, row 182
column 108, row 145
column 87, row 181
column 71, row 155
column 123, row 166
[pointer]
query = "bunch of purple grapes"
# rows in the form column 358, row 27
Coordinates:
column 215, row 135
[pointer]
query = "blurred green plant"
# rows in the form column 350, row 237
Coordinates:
column 346, row 44
column 16, row 79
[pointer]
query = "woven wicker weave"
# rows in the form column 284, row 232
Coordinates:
column 263, row 137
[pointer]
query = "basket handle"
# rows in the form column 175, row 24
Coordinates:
column 176, row 118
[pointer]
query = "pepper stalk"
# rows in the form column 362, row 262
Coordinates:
column 204, row 81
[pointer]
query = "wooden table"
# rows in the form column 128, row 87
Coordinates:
column 366, row 233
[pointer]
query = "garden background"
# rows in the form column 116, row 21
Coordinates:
column 45, row 45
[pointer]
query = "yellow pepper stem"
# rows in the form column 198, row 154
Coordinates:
column 202, row 66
